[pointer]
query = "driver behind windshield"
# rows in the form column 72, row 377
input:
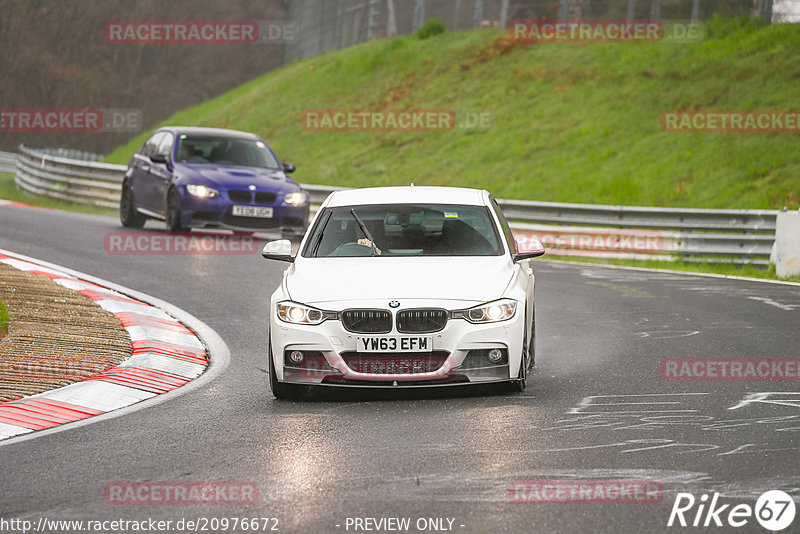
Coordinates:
column 187, row 151
column 365, row 242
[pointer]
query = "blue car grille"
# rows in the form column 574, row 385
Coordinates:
column 243, row 197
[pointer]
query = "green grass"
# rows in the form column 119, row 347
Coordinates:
column 3, row 315
column 574, row 122
column 10, row 191
column 748, row 271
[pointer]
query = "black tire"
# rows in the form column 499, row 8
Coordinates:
column 532, row 344
column 173, row 217
column 279, row 389
column 128, row 216
column 521, row 381
column 528, row 359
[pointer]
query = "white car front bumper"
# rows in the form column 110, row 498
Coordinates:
column 459, row 353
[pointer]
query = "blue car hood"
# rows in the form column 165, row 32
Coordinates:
column 240, row 177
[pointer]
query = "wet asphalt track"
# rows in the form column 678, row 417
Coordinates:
column 597, row 407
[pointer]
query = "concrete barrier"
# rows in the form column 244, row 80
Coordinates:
column 787, row 244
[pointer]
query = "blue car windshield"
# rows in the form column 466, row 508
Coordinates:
column 404, row 230
column 224, row 151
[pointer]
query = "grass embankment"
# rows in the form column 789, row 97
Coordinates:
column 574, row 122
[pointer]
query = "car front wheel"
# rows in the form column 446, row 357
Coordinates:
column 527, row 361
column 522, row 377
column 173, row 218
column 532, row 344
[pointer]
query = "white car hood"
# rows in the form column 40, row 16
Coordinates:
column 477, row 279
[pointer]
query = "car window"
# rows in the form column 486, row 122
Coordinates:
column 216, row 150
column 405, row 230
column 165, row 146
column 507, row 233
column 151, row 146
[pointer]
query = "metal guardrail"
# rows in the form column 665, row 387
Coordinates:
column 730, row 236
column 8, row 162
column 85, row 182
column 70, row 153
column 755, row 221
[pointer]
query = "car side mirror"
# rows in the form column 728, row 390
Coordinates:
column 289, row 168
column 158, row 158
column 533, row 249
column 280, row 250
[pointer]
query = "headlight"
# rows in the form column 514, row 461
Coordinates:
column 491, row 312
column 294, row 313
column 202, row 191
column 298, row 198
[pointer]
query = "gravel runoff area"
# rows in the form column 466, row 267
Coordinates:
column 56, row 336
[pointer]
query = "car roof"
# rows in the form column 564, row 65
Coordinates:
column 408, row 195
column 196, row 130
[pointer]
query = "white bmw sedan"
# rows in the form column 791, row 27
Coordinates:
column 403, row 287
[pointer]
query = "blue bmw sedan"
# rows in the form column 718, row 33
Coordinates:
column 211, row 178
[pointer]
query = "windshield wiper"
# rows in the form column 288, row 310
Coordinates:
column 322, row 227
column 366, row 232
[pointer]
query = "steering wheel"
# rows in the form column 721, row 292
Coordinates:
column 351, row 249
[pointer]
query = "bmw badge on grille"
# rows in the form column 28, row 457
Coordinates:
column 394, row 304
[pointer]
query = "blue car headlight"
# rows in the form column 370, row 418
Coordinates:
column 298, row 198
column 202, row 191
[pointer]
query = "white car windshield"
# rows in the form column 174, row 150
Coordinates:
column 404, row 230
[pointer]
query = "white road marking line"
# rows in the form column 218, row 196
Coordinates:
column 585, row 404
column 765, row 398
column 784, row 307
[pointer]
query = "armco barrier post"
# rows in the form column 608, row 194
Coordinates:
column 787, row 244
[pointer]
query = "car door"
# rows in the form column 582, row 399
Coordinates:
column 139, row 168
column 161, row 173
column 144, row 184
column 523, row 265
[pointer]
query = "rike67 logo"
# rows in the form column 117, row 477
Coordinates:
column 774, row 510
